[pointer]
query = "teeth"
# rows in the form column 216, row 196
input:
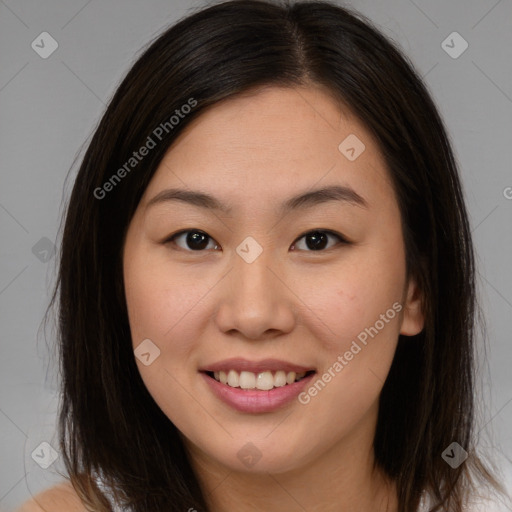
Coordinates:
column 247, row 380
column 233, row 379
column 263, row 381
column 279, row 379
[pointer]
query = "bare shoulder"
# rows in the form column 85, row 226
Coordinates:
column 60, row 498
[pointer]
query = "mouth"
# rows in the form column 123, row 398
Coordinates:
column 256, row 387
column 263, row 381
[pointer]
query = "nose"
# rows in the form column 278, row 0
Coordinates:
column 256, row 302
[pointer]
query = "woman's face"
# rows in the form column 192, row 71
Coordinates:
column 264, row 286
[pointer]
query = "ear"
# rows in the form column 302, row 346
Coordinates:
column 413, row 319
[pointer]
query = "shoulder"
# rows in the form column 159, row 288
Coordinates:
column 60, row 498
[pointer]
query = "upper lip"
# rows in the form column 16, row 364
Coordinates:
column 239, row 364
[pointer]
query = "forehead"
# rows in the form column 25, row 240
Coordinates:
column 271, row 142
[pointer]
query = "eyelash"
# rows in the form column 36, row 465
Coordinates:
column 341, row 238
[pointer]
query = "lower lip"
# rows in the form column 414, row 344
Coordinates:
column 253, row 400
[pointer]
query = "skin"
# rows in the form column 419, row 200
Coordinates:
column 62, row 497
column 253, row 152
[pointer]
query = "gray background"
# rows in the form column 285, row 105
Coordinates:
column 49, row 108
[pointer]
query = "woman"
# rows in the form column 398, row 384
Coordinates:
column 267, row 278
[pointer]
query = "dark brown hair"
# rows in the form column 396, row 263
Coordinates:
column 108, row 421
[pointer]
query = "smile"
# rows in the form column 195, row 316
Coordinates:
column 256, row 387
column 264, row 381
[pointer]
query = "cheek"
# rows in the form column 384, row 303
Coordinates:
column 163, row 306
column 158, row 300
column 361, row 310
column 362, row 304
column 362, row 291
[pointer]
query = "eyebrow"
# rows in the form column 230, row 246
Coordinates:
column 301, row 201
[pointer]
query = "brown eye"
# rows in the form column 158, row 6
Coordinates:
column 318, row 240
column 194, row 240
